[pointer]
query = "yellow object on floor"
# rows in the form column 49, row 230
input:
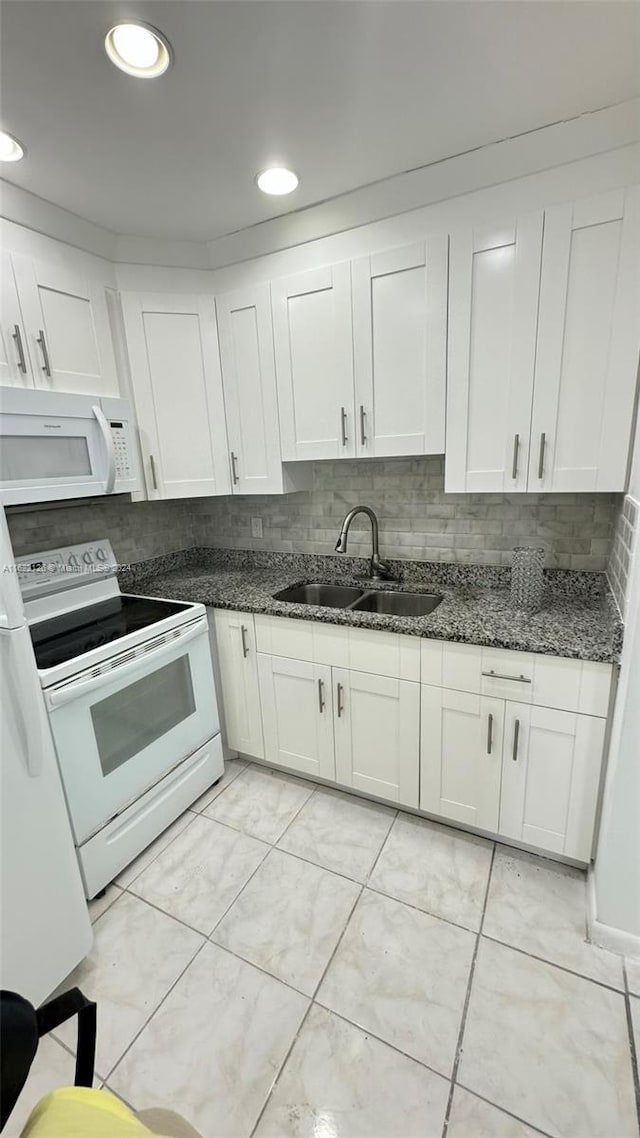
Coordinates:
column 80, row 1112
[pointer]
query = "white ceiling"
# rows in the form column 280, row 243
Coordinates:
column 344, row 92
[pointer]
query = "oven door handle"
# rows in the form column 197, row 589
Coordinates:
column 108, row 447
column 73, row 689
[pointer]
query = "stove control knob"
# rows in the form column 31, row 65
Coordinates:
column 87, row 558
column 73, row 561
column 101, row 554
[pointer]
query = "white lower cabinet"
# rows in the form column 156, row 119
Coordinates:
column 550, row 778
column 461, row 756
column 528, row 773
column 238, row 669
column 297, row 715
column 377, row 735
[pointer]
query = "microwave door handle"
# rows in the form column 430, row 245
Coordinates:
column 76, row 688
column 109, row 448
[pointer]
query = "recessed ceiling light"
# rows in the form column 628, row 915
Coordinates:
column 138, row 49
column 10, row 149
column 277, row 180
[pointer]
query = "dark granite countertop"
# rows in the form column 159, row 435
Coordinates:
column 579, row 617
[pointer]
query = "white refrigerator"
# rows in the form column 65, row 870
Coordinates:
column 44, row 924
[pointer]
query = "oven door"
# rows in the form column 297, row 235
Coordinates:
column 119, row 728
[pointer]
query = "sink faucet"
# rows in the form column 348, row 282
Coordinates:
column 379, row 570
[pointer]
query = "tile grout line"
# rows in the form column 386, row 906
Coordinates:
column 155, row 1011
column 467, row 999
column 635, row 1058
column 312, row 1000
column 504, row 1110
column 554, row 964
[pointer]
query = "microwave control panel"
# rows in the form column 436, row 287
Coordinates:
column 120, row 437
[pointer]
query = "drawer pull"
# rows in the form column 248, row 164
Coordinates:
column 489, row 733
column 500, row 676
column 321, row 695
column 516, row 736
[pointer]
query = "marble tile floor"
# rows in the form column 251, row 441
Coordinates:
column 289, row 961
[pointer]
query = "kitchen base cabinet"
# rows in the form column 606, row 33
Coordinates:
column 377, row 735
column 550, row 778
column 237, row 662
column 461, row 756
column 297, row 715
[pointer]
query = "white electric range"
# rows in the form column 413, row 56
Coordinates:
column 128, row 686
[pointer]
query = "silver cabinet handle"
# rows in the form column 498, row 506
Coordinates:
column 516, row 736
column 245, row 646
column 152, row 464
column 363, row 436
column 343, row 426
column 543, row 441
column 340, row 707
column 234, row 468
column 321, row 695
column 500, row 676
column 17, row 335
column 489, row 733
column 514, row 464
column 46, row 366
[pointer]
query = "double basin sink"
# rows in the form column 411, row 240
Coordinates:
column 361, row 600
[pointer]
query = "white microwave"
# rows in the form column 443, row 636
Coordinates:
column 54, row 445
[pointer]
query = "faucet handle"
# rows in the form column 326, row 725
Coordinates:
column 380, row 570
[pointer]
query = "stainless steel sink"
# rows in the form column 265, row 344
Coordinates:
column 397, row 604
column 331, row 596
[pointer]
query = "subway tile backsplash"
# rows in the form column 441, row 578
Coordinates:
column 417, row 520
column 624, row 538
column 136, row 530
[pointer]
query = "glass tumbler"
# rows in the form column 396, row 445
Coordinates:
column 527, row 578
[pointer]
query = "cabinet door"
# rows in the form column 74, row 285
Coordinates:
column 312, row 329
column 550, row 779
column 68, row 331
column 461, row 756
column 15, row 363
column 377, row 734
column 493, row 307
column 400, row 345
column 588, row 340
column 175, row 373
column 238, row 664
column 249, row 381
column 297, row 715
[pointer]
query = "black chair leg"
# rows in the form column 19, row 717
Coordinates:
column 58, row 1011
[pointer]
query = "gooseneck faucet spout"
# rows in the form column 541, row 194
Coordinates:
column 379, row 570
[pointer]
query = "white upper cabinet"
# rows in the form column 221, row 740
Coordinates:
column 543, row 349
column 15, row 363
column 312, row 327
column 493, row 307
column 175, row 372
column 400, row 344
column 249, row 382
column 67, row 328
column 588, row 339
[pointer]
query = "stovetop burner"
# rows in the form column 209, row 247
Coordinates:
column 65, row 637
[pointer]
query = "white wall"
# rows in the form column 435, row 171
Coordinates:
column 617, row 864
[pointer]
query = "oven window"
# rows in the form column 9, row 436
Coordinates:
column 131, row 719
column 24, row 457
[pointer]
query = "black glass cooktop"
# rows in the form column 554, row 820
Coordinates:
column 64, row 637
